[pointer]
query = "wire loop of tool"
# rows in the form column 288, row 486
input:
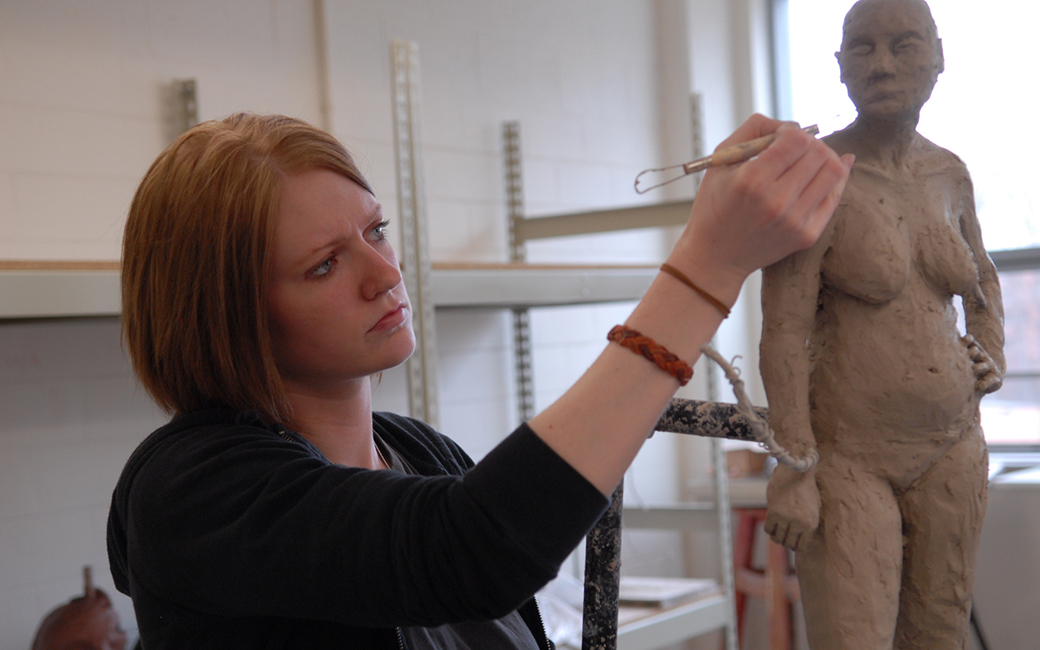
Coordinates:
column 728, row 156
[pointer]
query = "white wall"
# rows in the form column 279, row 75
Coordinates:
column 71, row 415
column 600, row 95
column 80, row 102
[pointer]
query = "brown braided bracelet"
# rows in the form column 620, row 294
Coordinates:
column 681, row 277
column 644, row 345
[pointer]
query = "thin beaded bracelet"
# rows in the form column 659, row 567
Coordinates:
column 644, row 345
column 681, row 277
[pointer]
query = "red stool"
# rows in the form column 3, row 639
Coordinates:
column 777, row 585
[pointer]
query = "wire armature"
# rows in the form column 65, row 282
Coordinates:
column 759, row 427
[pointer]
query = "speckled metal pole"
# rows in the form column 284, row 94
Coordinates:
column 603, row 544
column 603, row 578
column 709, row 419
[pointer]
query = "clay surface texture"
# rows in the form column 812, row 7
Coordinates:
column 862, row 359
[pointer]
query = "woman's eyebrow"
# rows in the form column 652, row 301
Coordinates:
column 306, row 258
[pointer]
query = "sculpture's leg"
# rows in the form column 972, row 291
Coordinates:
column 849, row 574
column 943, row 512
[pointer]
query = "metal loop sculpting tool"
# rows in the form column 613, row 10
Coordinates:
column 728, row 156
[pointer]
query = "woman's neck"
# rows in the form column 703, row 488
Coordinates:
column 338, row 422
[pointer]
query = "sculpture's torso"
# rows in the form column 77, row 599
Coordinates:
column 891, row 378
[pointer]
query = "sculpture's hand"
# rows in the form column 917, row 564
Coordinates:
column 988, row 377
column 794, row 507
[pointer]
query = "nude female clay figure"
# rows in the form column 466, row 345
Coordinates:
column 862, row 360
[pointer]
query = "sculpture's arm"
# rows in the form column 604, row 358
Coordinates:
column 790, row 292
column 984, row 309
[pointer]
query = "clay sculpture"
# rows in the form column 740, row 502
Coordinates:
column 863, row 360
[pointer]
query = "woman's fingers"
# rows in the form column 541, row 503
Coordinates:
column 789, row 148
column 802, row 180
column 823, row 193
column 749, row 215
column 811, row 173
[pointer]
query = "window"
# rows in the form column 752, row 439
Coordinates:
column 979, row 110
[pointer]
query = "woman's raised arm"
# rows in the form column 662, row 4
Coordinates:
column 744, row 217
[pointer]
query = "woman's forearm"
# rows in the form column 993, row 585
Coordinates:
column 745, row 217
column 600, row 424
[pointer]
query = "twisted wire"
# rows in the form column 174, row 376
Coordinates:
column 759, row 427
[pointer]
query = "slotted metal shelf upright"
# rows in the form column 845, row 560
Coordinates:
column 519, row 286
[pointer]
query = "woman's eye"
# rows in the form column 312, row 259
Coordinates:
column 324, row 268
column 378, row 233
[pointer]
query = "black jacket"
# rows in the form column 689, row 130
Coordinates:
column 228, row 533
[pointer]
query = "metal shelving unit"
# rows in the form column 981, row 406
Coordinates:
column 521, row 287
column 31, row 290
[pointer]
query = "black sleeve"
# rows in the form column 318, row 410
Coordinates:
column 238, row 522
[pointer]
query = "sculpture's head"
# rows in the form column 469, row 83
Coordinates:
column 890, row 58
column 85, row 623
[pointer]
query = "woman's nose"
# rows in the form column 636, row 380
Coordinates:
column 382, row 273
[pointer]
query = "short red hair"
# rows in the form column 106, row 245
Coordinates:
column 195, row 261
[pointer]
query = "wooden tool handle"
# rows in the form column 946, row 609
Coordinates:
column 741, row 152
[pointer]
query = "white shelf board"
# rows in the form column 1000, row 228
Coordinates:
column 679, row 516
column 651, row 215
column 663, row 627
column 519, row 285
column 27, row 292
column 58, row 293
column 36, row 290
column 748, row 492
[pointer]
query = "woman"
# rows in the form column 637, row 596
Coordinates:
column 276, row 509
column 862, row 359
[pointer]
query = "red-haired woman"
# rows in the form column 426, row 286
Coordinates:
column 276, row 509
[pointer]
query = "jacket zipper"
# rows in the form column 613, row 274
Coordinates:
column 400, row 638
column 541, row 624
column 285, row 434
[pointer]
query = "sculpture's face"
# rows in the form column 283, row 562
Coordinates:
column 890, row 58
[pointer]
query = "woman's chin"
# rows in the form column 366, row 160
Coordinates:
column 403, row 348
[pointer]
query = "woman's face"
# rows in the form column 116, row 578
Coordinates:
column 337, row 305
column 889, row 59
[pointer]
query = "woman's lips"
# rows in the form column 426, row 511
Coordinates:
column 392, row 319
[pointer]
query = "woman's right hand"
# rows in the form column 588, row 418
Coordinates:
column 794, row 507
column 750, row 215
